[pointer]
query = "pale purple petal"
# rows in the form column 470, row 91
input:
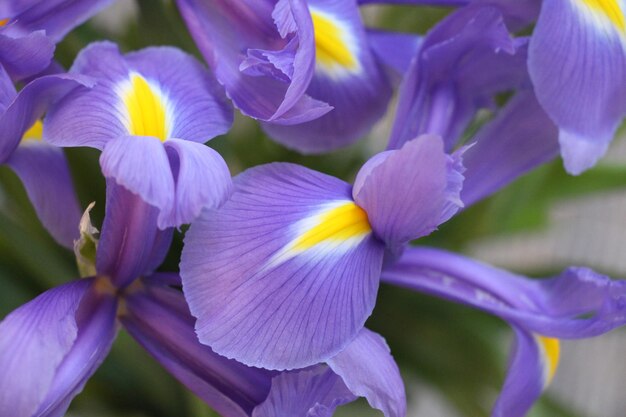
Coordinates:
column 406, row 195
column 296, row 305
column 368, row 370
column 314, row 392
column 47, row 180
column 394, row 49
column 202, row 180
column 577, row 62
column 578, row 303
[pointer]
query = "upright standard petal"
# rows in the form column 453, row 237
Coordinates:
column 404, row 192
column 47, row 180
column 314, row 392
column 368, row 370
column 299, row 260
column 463, row 62
column 34, row 340
column 520, row 138
column 577, row 63
column 24, row 56
column 533, row 363
column 576, row 304
column 347, row 77
column 158, row 318
column 130, row 243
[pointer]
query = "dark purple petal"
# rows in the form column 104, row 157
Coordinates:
column 26, row 55
column 406, row 192
column 463, row 61
column 141, row 165
column 520, row 138
column 395, row 50
column 159, row 320
column 576, row 304
column 285, row 273
column 130, row 243
column 225, row 32
column 202, row 180
column 314, row 392
column 530, row 370
column 368, row 370
column 46, row 177
column 577, row 63
column 30, row 104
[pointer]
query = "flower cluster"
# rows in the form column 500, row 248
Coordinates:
column 281, row 264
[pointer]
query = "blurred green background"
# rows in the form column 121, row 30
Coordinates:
column 458, row 353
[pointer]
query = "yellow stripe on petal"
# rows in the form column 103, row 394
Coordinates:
column 146, row 108
column 335, row 50
column 336, row 228
column 610, row 9
column 35, row 132
column 551, row 352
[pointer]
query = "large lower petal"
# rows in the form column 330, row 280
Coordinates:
column 576, row 304
column 130, row 242
column 141, row 165
column 158, row 318
column 47, row 180
column 50, row 346
column 368, row 370
column 533, row 362
column 202, row 180
column 285, row 273
column 577, row 63
column 314, row 392
column 520, row 138
column 405, row 191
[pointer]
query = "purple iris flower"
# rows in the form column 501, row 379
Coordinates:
column 286, row 272
column 29, row 30
column 42, row 168
column 150, row 113
column 306, row 69
column 578, row 303
column 52, row 345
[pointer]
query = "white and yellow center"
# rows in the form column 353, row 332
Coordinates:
column 146, row 108
column 605, row 12
column 336, row 51
column 550, row 350
column 336, row 228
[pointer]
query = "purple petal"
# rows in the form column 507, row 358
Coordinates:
column 395, row 50
column 160, row 321
column 141, row 165
column 40, row 343
column 314, row 392
column 97, row 329
column 130, row 243
column 7, row 90
column 463, row 62
column 520, row 138
column 533, row 362
column 578, row 67
column 30, row 104
column 23, row 56
column 296, row 254
column 578, row 303
column 224, row 32
column 368, row 370
column 46, row 177
column 406, row 192
column 202, row 181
